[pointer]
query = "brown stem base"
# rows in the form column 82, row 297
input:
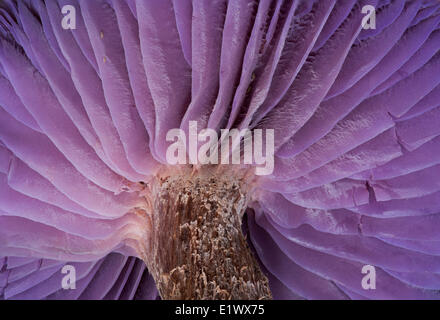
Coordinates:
column 196, row 249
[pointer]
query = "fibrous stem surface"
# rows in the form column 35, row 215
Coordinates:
column 196, row 248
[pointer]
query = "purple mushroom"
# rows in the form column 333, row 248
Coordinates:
column 343, row 203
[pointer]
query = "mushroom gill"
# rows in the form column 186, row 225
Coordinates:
column 85, row 180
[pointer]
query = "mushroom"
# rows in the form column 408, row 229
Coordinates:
column 93, row 94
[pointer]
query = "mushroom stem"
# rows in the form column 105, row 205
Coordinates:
column 196, row 249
